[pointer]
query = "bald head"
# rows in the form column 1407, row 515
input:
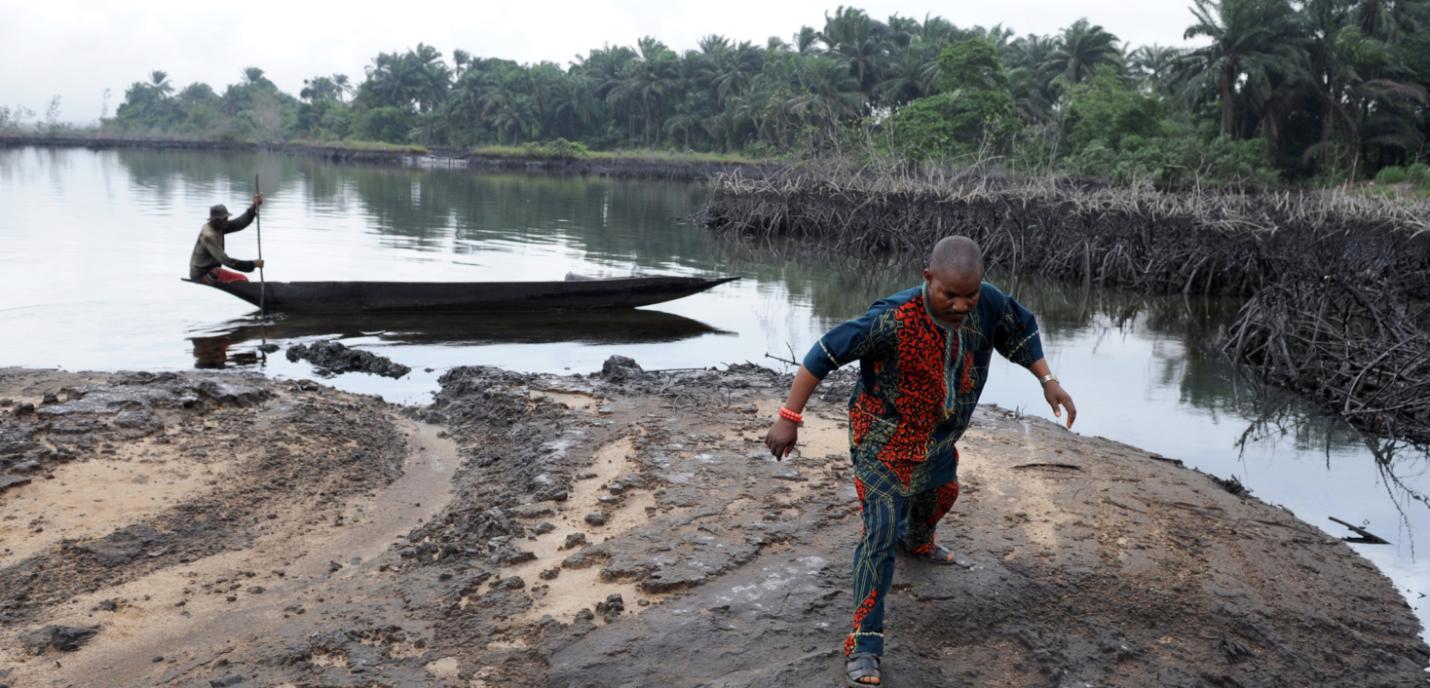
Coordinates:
column 956, row 256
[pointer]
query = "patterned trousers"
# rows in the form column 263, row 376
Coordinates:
column 890, row 518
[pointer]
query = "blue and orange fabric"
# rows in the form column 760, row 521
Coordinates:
column 918, row 385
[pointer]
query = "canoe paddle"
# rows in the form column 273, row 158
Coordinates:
column 262, row 284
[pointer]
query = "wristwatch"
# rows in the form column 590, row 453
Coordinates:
column 1044, row 380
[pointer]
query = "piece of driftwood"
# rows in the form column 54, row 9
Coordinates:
column 1363, row 536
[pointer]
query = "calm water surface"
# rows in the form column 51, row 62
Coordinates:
column 93, row 245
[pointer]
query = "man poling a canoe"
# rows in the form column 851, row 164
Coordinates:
column 923, row 359
column 209, row 258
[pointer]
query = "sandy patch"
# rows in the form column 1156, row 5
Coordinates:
column 576, row 589
column 576, row 401
column 201, row 603
column 89, row 499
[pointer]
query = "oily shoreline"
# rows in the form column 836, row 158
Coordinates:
column 624, row 528
column 634, row 166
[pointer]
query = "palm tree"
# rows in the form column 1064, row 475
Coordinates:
column 344, row 87
column 1253, row 44
column 1155, row 65
column 1364, row 101
column 735, row 69
column 1081, row 49
column 430, row 76
column 319, row 88
column 1034, row 93
column 645, row 84
column 909, row 75
column 576, row 106
column 252, row 76
column 825, row 94
column 1388, row 20
column 862, row 43
column 159, row 83
column 460, row 58
column 806, row 40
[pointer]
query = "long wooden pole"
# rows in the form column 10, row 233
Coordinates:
column 262, row 283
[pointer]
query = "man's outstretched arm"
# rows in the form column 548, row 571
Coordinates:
column 1053, row 392
column 785, row 432
column 246, row 218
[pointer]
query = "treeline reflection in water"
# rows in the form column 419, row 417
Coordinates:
column 455, row 210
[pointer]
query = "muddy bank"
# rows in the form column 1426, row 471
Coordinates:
column 626, row 528
column 422, row 156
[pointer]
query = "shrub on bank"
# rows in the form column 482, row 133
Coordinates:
column 1419, row 175
column 560, row 148
column 1392, row 175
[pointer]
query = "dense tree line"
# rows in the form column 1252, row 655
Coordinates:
column 1331, row 89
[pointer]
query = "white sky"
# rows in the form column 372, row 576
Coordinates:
column 76, row 49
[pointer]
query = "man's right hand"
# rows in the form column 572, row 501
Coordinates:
column 258, row 263
column 781, row 438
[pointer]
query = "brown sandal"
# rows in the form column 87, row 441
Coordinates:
column 862, row 665
column 940, row 555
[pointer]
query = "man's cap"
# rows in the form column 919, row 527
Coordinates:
column 218, row 211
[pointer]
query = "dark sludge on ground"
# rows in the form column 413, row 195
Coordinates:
column 625, row 528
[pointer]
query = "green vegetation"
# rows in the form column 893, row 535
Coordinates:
column 1392, row 175
column 1313, row 91
column 1413, row 181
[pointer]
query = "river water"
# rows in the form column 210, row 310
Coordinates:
column 93, row 245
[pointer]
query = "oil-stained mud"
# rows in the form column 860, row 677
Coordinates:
column 628, row 529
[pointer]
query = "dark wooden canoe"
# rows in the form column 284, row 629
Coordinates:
column 468, row 297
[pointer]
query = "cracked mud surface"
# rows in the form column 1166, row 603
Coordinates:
column 625, row 530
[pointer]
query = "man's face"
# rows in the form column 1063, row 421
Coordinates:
column 952, row 296
column 220, row 222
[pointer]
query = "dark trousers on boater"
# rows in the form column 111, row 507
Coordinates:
column 890, row 519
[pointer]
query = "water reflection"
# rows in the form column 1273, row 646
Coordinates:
column 214, row 347
column 611, row 221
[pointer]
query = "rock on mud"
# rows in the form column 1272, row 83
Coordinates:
column 332, row 358
column 621, row 368
column 62, row 638
column 122, row 546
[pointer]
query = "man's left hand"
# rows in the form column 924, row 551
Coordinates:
column 257, row 199
column 1058, row 398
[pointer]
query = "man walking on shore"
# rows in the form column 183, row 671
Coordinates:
column 923, row 359
column 208, row 260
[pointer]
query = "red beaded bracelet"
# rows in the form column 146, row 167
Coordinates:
column 791, row 416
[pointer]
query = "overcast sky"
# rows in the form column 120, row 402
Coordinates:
column 77, row 49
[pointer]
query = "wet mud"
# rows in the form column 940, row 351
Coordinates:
column 627, row 528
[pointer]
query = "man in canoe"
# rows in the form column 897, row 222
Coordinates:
column 923, row 359
column 209, row 258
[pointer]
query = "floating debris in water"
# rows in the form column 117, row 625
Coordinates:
column 332, row 358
